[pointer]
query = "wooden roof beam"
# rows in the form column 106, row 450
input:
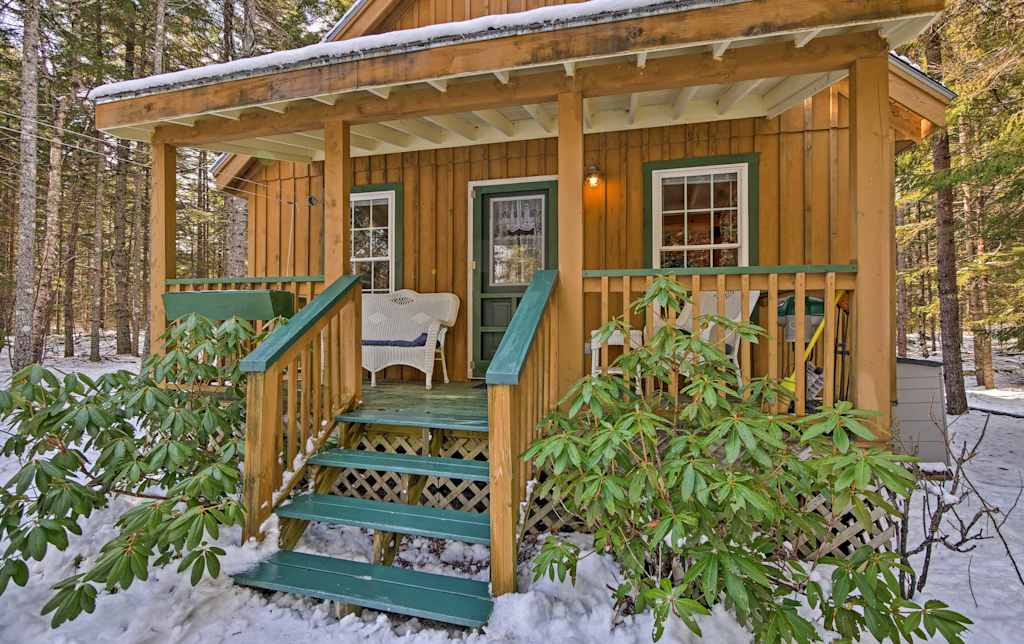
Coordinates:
column 535, row 49
column 420, row 128
column 380, row 92
column 570, row 68
column 455, row 123
column 803, row 38
column 719, row 48
column 440, row 84
column 736, row 93
column 539, row 114
column 502, row 76
column 819, row 83
column 383, row 133
column 683, row 97
column 326, row 99
column 900, row 32
column 670, row 72
column 497, row 120
column 633, row 109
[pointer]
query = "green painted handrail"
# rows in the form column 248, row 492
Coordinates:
column 725, row 270
column 284, row 336
column 272, row 279
column 508, row 360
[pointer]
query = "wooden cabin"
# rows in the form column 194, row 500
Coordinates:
column 542, row 163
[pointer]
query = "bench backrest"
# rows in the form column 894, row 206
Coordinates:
column 405, row 314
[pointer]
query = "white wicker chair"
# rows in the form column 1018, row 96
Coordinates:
column 407, row 328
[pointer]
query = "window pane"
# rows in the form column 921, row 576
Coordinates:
column 365, row 272
column 698, row 192
column 698, row 258
column 361, row 214
column 726, row 257
column 379, row 243
column 673, row 193
column 698, row 229
column 517, row 239
column 726, row 190
column 381, row 276
column 673, row 259
column 380, row 213
column 726, row 227
column 673, row 230
column 361, row 243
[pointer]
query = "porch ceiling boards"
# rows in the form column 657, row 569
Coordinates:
column 631, row 87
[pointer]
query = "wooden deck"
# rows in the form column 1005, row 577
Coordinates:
column 446, row 406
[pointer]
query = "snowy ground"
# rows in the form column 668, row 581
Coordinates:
column 167, row 608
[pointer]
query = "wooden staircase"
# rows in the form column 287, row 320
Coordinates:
column 380, row 586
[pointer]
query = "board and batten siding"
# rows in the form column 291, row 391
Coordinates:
column 803, row 196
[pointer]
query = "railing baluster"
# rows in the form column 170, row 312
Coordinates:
column 828, row 345
column 649, row 381
column 293, row 439
column 798, row 348
column 744, row 317
column 604, row 320
column 773, row 326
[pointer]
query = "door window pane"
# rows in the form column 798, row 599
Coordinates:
column 517, row 239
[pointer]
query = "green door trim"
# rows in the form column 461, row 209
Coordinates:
column 479, row 367
column 751, row 160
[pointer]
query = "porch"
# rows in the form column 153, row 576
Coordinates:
column 786, row 111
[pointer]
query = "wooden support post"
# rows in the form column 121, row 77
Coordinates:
column 570, row 239
column 504, row 506
column 871, row 159
column 337, row 186
column 162, row 223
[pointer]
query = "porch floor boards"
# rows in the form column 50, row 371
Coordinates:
column 460, row 406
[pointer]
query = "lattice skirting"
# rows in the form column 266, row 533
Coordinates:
column 845, row 532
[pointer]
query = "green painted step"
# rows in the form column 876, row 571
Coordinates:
column 437, row 419
column 454, row 600
column 452, row 468
column 420, row 520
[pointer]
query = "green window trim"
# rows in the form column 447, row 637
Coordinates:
column 751, row 160
column 397, row 234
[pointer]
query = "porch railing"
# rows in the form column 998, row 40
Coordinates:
column 304, row 373
column 303, row 287
column 612, row 292
column 521, row 389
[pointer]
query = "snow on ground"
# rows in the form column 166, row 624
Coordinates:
column 167, row 608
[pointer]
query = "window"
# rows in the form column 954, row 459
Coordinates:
column 700, row 216
column 517, row 238
column 373, row 240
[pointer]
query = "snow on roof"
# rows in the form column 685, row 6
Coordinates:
column 327, row 53
column 915, row 70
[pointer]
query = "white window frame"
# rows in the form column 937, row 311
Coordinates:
column 391, row 198
column 742, row 171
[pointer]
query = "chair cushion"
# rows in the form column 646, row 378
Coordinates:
column 419, row 341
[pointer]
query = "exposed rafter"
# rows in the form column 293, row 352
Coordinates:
column 277, row 107
column 440, row 84
column 362, row 142
column 900, row 32
column 719, row 48
column 804, row 38
column 503, row 77
column 777, row 106
column 187, row 122
column 682, row 97
column 380, row 92
column 570, row 68
column 455, row 123
column 736, row 93
column 326, row 99
column 383, row 133
column 588, row 114
column 497, row 120
column 641, row 60
column 633, row 109
column 421, row 128
column 543, row 118
column 231, row 115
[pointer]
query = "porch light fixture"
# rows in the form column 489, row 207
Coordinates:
column 593, row 176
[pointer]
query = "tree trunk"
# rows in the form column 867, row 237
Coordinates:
column 70, row 263
column 24, row 272
column 945, row 255
column 237, row 235
column 978, row 305
column 120, row 251
column 159, row 35
column 51, row 235
column 228, row 41
column 248, row 27
column 139, row 253
column 96, row 277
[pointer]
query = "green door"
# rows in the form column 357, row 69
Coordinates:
column 514, row 236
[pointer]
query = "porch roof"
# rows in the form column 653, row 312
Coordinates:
column 495, row 78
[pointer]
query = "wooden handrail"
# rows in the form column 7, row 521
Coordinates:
column 508, row 360
column 299, row 378
column 217, row 281
column 285, row 336
column 788, row 269
column 522, row 385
